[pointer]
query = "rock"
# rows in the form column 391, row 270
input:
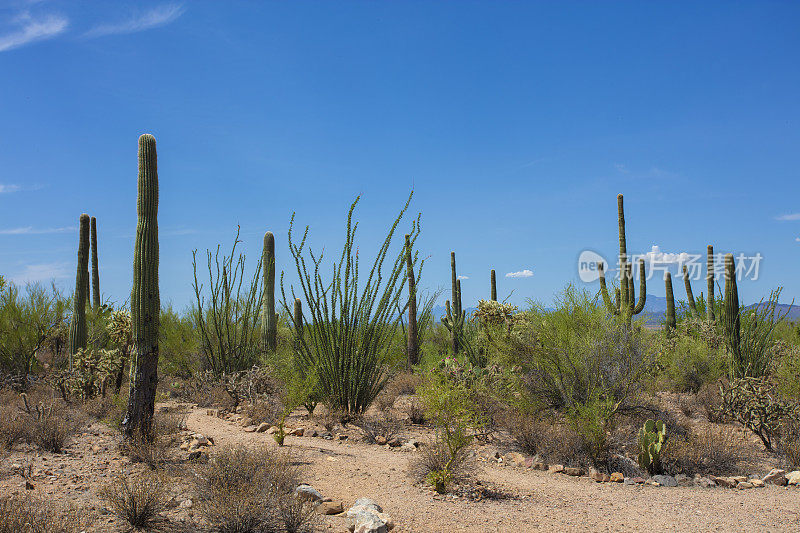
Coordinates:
column 665, row 480
column 395, row 442
column 184, row 446
column 684, row 480
column 186, row 504
column 200, row 440
column 29, row 485
column 515, row 458
column 273, row 429
column 744, row 485
column 369, row 503
column 298, row 432
column 705, row 482
column 598, row 476
column 556, row 469
column 776, row 476
column 307, row 493
column 538, row 465
column 341, row 436
column 312, row 433
column 198, row 456
column 366, row 516
column 330, row 508
column 250, row 429
column 616, row 477
column 726, row 482
column 638, row 480
column 757, row 483
column 409, row 447
column 262, row 427
column 380, row 440
column 793, row 478
column 573, row 471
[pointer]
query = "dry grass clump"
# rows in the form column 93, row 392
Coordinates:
column 246, row 490
column 12, row 427
column 268, row 410
column 710, row 400
column 155, row 451
column 550, row 439
column 110, row 408
column 138, row 501
column 51, row 425
column 402, row 383
column 716, row 450
column 374, row 427
column 414, row 410
column 32, row 515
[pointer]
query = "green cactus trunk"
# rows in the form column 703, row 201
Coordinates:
column 689, row 294
column 95, row 270
column 456, row 305
column 77, row 325
column 298, row 317
column 145, row 299
column 626, row 304
column 412, row 348
column 732, row 317
column 269, row 320
column 710, row 282
column 670, row 321
column 494, row 287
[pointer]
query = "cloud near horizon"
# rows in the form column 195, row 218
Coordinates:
column 789, row 216
column 4, row 189
column 520, row 274
column 463, row 277
column 41, row 272
column 32, row 29
column 30, row 230
column 153, row 18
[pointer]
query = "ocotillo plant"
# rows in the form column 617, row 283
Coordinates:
column 413, row 340
column 626, row 304
column 145, row 299
column 77, row 326
column 494, row 287
column 95, row 270
column 710, row 282
column 269, row 320
column 670, row 321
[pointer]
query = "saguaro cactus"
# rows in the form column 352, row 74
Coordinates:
column 710, row 282
column 95, row 270
column 670, row 321
column 269, row 320
column 77, row 326
column 145, row 299
column 625, row 304
column 454, row 321
column 298, row 317
column 732, row 318
column 494, row 287
column 413, row 338
column 689, row 293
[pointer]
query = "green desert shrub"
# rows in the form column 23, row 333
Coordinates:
column 178, row 343
column 688, row 362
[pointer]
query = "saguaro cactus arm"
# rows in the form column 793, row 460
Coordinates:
column 613, row 307
column 642, row 289
column 95, row 270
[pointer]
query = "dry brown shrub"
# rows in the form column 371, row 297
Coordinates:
column 373, row 427
column 414, row 410
column 267, row 410
column 790, row 442
column 551, row 439
column 714, row 450
column 710, row 400
column 251, row 490
column 32, row 515
column 52, row 428
column 12, row 427
column 138, row 501
column 402, row 383
column 157, row 449
column 436, row 458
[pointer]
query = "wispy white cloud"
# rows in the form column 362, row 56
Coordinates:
column 797, row 239
column 520, row 274
column 30, row 230
column 158, row 16
column 41, row 272
column 8, row 188
column 789, row 216
column 178, row 232
column 31, row 29
column 655, row 255
column 463, row 277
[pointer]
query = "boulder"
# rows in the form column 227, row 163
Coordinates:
column 757, row 483
column 573, row 471
column 793, row 478
column 262, row 427
column 598, row 476
column 617, row 477
column 776, row 476
column 744, row 485
column 726, row 482
column 380, row 440
column 307, row 493
column 298, row 432
column 515, row 459
column 330, row 508
column 556, row 469
column 366, row 516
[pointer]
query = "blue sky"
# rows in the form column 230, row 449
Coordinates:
column 516, row 123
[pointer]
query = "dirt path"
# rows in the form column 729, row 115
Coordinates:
column 345, row 470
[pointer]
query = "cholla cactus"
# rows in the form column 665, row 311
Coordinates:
column 93, row 370
column 492, row 312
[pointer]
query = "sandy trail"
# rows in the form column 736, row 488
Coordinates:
column 345, row 470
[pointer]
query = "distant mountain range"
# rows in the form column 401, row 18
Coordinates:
column 654, row 310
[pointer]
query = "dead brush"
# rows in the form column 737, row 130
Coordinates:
column 49, row 424
column 374, row 427
column 402, row 383
column 268, row 410
column 440, row 468
column 414, row 410
column 156, row 449
column 138, row 501
column 32, row 515
column 244, row 490
column 715, row 450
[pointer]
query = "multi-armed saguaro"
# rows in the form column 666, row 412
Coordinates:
column 269, row 320
column 454, row 321
column 709, row 279
column 77, row 326
column 145, row 299
column 413, row 336
column 95, row 270
column 625, row 303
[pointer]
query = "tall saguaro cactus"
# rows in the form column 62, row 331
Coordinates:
column 710, row 282
column 145, row 299
column 732, row 318
column 413, row 336
column 95, row 269
column 77, row 326
column 689, row 294
column 454, row 321
column 297, row 318
column 494, row 286
column 269, row 320
column 625, row 304
column 671, row 323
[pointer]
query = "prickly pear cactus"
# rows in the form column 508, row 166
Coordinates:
column 651, row 441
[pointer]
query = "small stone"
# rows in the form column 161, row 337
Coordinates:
column 184, row 446
column 515, row 458
column 776, row 476
column 665, row 480
column 307, row 493
column 380, row 440
column 573, row 471
column 638, row 480
column 744, row 485
column 341, row 436
column 330, row 508
column 273, row 430
column 538, row 465
column 200, row 440
column 298, row 432
column 556, row 469
column 757, row 483
column 683, row 480
column 262, row 427
column 739, row 479
column 705, row 482
column 726, row 482
column 617, row 477
column 186, row 504
column 394, row 443
column 29, row 485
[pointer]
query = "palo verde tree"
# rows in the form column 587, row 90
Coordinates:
column 145, row 299
column 350, row 321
